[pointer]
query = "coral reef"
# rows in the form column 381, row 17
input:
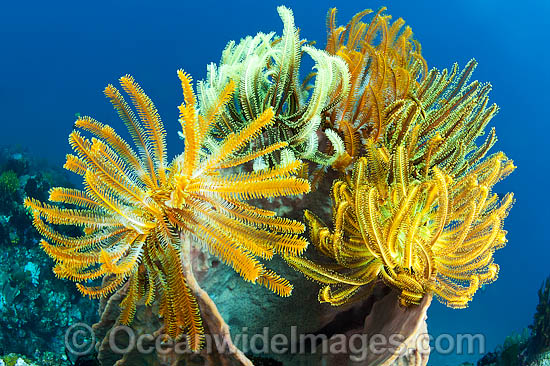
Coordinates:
column 45, row 359
column 15, row 360
column 35, row 306
column 531, row 347
column 540, row 329
column 9, row 185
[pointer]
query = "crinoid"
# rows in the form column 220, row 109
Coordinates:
column 418, row 211
column 385, row 65
column 266, row 70
column 134, row 205
column 419, row 236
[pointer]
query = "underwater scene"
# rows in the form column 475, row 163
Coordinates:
column 292, row 183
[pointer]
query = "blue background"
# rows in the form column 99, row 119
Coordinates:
column 56, row 57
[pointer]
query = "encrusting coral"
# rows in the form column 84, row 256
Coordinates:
column 134, row 204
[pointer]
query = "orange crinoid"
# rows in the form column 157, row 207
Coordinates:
column 134, row 205
column 385, row 66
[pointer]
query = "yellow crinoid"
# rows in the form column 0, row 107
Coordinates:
column 134, row 205
column 418, row 236
column 417, row 211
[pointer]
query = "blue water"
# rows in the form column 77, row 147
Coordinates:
column 56, row 57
